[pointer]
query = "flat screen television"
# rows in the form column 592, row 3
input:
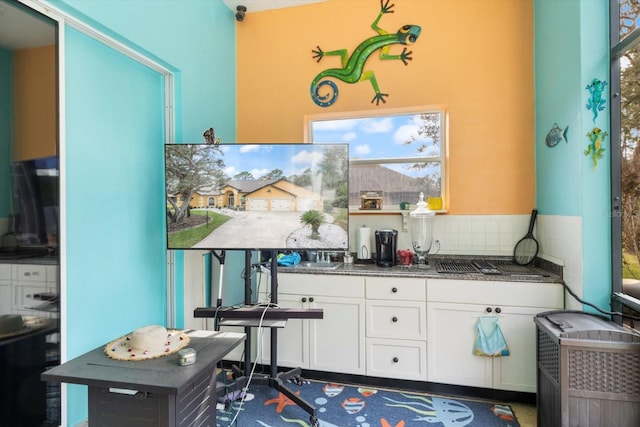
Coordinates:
column 257, row 196
column 35, row 208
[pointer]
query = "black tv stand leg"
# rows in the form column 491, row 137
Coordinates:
column 279, row 383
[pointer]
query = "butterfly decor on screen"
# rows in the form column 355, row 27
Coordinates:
column 210, row 137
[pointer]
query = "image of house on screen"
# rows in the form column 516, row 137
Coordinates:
column 268, row 195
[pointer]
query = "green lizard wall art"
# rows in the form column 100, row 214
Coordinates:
column 352, row 70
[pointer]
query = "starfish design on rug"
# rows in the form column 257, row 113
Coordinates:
column 385, row 423
column 282, row 401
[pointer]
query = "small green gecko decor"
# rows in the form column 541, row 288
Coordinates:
column 595, row 149
column 596, row 103
column 352, row 70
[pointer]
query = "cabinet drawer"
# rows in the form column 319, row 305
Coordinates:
column 394, row 288
column 522, row 294
column 396, row 320
column 321, row 284
column 32, row 273
column 406, row 360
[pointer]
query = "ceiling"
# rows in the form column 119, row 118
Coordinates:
column 259, row 5
column 21, row 29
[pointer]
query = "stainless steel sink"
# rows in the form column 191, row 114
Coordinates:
column 318, row 265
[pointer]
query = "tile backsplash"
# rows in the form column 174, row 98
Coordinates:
column 559, row 237
column 457, row 234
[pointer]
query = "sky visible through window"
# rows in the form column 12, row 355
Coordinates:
column 384, row 137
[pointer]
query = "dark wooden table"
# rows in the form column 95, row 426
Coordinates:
column 157, row 392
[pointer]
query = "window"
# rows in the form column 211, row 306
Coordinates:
column 395, row 154
column 625, row 129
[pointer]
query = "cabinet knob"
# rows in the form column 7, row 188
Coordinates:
column 304, row 299
column 498, row 310
column 488, row 309
column 394, row 290
column 395, row 360
column 311, row 299
column 394, row 319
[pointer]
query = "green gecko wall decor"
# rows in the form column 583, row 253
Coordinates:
column 595, row 148
column 352, row 70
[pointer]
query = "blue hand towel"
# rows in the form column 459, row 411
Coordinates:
column 290, row 259
column 490, row 340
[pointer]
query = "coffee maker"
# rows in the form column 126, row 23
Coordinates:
column 386, row 241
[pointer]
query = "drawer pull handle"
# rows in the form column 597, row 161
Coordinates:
column 394, row 290
column 395, row 360
column 394, row 319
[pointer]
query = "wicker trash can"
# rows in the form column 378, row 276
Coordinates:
column 588, row 371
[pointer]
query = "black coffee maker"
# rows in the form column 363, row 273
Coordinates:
column 386, row 241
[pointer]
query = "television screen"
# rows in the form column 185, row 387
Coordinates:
column 257, row 196
column 35, row 202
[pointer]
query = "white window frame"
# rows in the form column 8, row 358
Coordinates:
column 441, row 159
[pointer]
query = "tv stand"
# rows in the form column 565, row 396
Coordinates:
column 251, row 316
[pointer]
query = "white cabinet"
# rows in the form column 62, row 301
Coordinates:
column 396, row 328
column 334, row 343
column 33, row 279
column 6, row 289
column 453, row 309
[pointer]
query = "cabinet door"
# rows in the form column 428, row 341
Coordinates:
column 337, row 340
column 6, row 298
column 450, row 338
column 517, row 371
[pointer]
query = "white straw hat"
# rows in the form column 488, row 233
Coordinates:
column 148, row 342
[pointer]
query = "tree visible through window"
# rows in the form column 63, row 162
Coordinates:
column 628, row 62
column 398, row 154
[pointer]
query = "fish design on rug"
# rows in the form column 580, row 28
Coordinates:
column 450, row 413
column 332, row 390
column 353, row 405
column 503, row 412
column 367, row 392
column 556, row 135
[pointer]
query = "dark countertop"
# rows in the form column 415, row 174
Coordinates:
column 541, row 271
column 29, row 255
column 45, row 260
column 163, row 375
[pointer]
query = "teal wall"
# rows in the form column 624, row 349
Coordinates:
column 6, row 102
column 571, row 49
column 115, row 258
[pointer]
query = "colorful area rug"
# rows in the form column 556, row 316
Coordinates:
column 347, row 406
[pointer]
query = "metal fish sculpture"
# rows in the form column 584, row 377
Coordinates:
column 556, row 135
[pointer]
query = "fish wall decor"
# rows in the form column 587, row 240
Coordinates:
column 352, row 69
column 595, row 148
column 555, row 135
column 595, row 102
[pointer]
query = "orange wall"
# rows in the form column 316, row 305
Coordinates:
column 35, row 105
column 473, row 56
